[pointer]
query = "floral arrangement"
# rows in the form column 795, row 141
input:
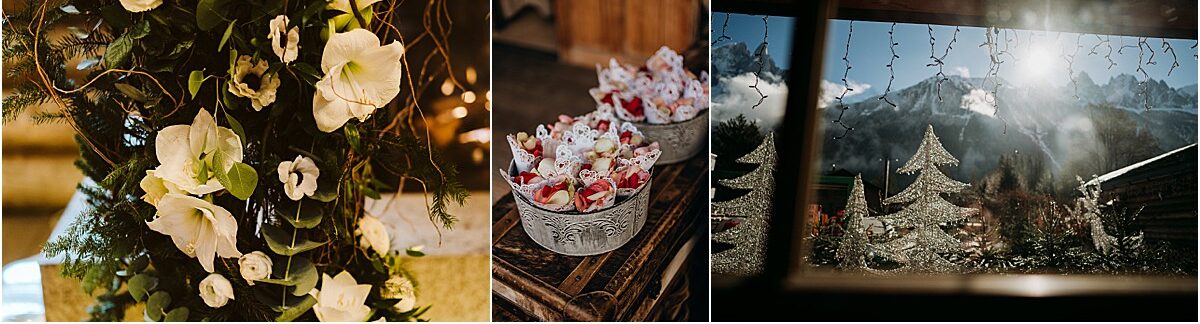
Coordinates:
column 233, row 145
column 660, row 92
column 582, row 163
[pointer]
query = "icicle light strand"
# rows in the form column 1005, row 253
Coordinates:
column 723, row 36
column 1070, row 58
column 891, row 65
column 940, row 62
column 759, row 56
column 1167, row 48
column 846, row 87
column 1143, row 88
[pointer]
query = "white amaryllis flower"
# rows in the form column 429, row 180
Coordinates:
column 374, row 235
column 255, row 266
column 360, row 76
column 250, row 80
column 199, row 228
column 215, row 290
column 140, row 5
column 400, row 287
column 285, row 42
column 344, row 5
column 186, row 154
column 299, row 177
column 341, row 299
column 156, row 188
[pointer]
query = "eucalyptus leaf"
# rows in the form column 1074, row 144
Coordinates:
column 209, row 13
column 117, row 52
column 140, row 286
column 179, row 314
column 236, row 126
column 157, row 304
column 240, row 180
column 325, row 195
column 195, row 80
column 300, row 274
column 280, row 241
column 225, row 38
column 131, row 92
column 308, row 216
column 291, row 312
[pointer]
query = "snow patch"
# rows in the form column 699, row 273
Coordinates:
column 979, row 101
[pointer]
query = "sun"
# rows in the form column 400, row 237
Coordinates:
column 1037, row 61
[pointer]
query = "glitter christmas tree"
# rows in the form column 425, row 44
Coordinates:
column 753, row 210
column 920, row 247
column 852, row 249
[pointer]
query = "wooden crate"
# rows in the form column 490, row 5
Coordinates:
column 592, row 31
column 641, row 281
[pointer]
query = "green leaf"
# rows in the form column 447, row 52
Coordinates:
column 289, row 313
column 131, row 92
column 301, row 275
column 179, row 314
column 309, row 215
column 371, row 193
column 352, row 136
column 236, row 126
column 209, row 13
column 117, row 52
column 195, row 80
column 240, row 179
column 280, row 241
column 414, row 253
column 140, row 286
column 325, row 195
column 140, row 30
column 224, row 38
column 157, row 304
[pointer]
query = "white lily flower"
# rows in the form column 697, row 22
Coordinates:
column 341, row 299
column 186, row 154
column 286, row 46
column 374, row 235
column 156, row 188
column 360, row 76
column 141, row 5
column 251, row 80
column 215, row 290
column 199, row 228
column 255, row 266
column 299, row 177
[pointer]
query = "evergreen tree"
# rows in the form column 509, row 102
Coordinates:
column 919, row 248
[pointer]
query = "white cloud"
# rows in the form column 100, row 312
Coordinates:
column 963, row 71
column 830, row 91
column 738, row 98
column 979, row 101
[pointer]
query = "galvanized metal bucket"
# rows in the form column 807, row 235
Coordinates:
column 679, row 141
column 581, row 234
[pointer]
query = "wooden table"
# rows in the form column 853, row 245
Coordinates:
column 644, row 280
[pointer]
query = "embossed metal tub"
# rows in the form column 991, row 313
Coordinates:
column 580, row 234
column 679, row 141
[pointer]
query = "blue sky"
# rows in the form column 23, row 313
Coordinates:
column 1039, row 56
column 749, row 29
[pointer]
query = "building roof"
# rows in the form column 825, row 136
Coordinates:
column 1135, row 166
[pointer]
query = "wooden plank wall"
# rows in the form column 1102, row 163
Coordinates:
column 592, row 31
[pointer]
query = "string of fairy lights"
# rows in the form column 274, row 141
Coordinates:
column 994, row 63
column 845, row 87
column 1107, row 42
column 759, row 57
column 724, row 28
column 940, row 61
column 1070, row 59
column 891, row 66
